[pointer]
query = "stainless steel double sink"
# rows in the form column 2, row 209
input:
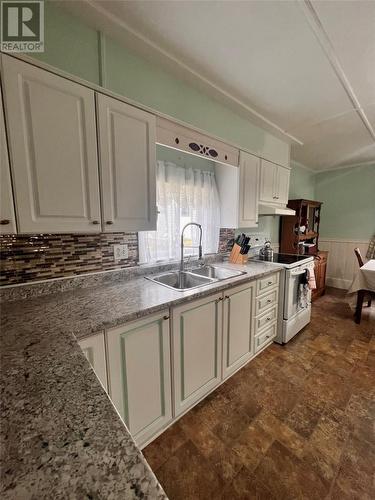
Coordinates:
column 186, row 280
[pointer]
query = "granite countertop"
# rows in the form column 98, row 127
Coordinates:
column 60, row 435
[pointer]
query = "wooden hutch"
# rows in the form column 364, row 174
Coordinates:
column 300, row 235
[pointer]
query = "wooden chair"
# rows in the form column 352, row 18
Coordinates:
column 359, row 256
column 361, row 294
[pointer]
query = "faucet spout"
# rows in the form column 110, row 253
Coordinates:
column 200, row 253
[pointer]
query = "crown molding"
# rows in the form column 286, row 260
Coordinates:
column 368, row 163
column 301, row 165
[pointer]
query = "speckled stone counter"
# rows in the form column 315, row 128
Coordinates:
column 60, row 435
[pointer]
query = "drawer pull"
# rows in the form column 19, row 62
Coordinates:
column 269, row 301
column 165, row 318
column 268, row 336
column 268, row 319
column 96, row 222
column 269, row 282
column 4, row 222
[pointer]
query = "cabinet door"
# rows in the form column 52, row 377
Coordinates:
column 268, row 174
column 139, row 374
column 127, row 165
column 248, row 190
column 94, row 350
column 282, row 192
column 7, row 216
column 197, row 338
column 238, row 327
column 53, row 150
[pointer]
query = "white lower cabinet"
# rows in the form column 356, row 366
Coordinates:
column 197, row 337
column 140, row 376
column 266, row 310
column 156, row 374
column 265, row 337
column 238, row 327
column 94, row 350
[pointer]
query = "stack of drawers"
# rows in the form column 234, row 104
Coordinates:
column 266, row 311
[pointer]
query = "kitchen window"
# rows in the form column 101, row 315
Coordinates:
column 183, row 195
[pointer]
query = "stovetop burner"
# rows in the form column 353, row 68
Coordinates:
column 285, row 258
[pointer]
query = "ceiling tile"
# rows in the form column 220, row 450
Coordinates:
column 262, row 52
column 333, row 143
column 350, row 26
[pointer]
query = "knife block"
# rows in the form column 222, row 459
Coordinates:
column 235, row 257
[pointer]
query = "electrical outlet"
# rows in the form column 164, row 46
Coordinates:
column 120, row 252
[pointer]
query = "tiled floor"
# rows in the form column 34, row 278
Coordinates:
column 297, row 422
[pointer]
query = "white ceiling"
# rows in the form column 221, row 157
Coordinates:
column 305, row 69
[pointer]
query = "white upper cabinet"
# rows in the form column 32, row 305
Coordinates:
column 283, row 185
column 248, row 190
column 267, row 182
column 7, row 216
column 53, row 150
column 274, row 183
column 238, row 191
column 127, row 164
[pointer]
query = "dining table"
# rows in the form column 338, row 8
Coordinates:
column 363, row 283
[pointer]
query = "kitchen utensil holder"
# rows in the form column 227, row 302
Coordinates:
column 235, row 257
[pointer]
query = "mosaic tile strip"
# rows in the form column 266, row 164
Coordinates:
column 38, row 257
column 225, row 240
column 29, row 258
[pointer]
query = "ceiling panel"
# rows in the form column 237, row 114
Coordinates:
column 268, row 55
column 262, row 52
column 334, row 143
column 350, row 26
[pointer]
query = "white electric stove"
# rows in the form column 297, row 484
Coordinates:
column 292, row 315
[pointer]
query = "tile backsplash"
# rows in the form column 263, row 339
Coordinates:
column 28, row 258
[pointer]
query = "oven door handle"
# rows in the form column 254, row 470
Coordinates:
column 299, row 272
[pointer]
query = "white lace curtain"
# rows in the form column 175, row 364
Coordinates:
column 183, row 195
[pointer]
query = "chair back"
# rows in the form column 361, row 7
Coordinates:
column 359, row 256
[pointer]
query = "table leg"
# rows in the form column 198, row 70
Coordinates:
column 358, row 309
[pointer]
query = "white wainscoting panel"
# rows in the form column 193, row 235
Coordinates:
column 342, row 261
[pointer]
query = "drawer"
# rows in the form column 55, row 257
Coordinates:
column 266, row 283
column 265, row 319
column 265, row 337
column 265, row 301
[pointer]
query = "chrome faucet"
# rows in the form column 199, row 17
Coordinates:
column 182, row 242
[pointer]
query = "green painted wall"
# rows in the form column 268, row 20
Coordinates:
column 70, row 45
column 348, row 197
column 302, row 183
column 74, row 47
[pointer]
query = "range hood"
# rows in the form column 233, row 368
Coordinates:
column 273, row 210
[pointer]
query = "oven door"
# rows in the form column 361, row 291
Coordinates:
column 293, row 279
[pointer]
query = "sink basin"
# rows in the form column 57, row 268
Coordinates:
column 217, row 272
column 182, row 280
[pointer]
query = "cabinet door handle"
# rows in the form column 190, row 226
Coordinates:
column 4, row 222
column 165, row 317
column 96, row 222
column 109, row 222
column 218, row 300
column 227, row 297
